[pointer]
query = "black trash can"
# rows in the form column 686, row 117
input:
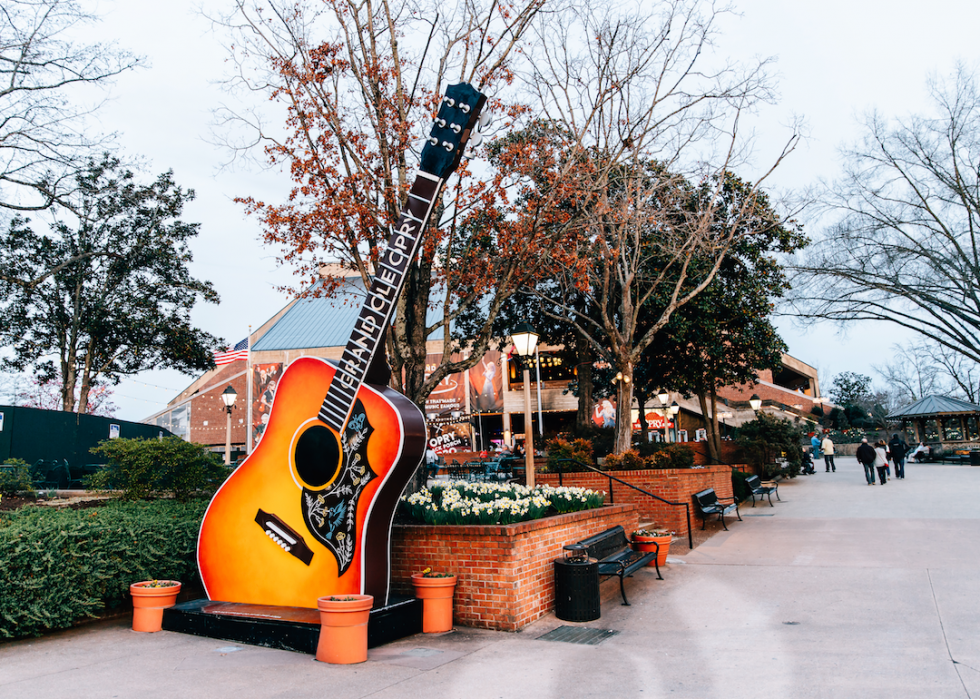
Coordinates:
column 975, row 457
column 576, row 585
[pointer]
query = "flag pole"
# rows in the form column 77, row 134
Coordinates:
column 248, row 393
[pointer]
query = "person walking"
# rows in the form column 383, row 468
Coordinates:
column 828, row 454
column 866, row 455
column 815, row 446
column 898, row 449
column 881, row 461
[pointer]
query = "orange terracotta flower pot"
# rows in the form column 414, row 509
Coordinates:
column 437, row 602
column 343, row 628
column 149, row 603
column 645, row 544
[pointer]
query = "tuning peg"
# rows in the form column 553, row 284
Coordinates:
column 450, row 101
column 465, row 108
column 456, row 128
column 441, row 123
column 475, row 141
column 448, row 146
column 433, row 140
column 486, row 118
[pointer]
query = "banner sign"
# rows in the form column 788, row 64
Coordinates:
column 265, row 379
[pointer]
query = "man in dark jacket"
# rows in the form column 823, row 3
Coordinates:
column 866, row 455
column 898, row 449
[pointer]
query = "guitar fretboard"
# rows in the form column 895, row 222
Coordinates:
column 389, row 278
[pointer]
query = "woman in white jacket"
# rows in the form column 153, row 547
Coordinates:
column 881, row 461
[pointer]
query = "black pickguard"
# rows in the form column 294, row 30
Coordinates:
column 331, row 513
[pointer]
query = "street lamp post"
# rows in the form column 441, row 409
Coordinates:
column 724, row 415
column 663, row 396
column 525, row 339
column 228, row 397
column 674, row 409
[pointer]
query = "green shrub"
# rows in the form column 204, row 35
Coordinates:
column 144, row 468
column 768, row 438
column 560, row 449
column 664, row 456
column 17, row 480
column 61, row 566
column 671, row 456
column 629, row 460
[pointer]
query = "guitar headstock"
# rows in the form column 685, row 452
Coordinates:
column 457, row 116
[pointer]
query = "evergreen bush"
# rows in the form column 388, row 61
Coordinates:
column 768, row 438
column 17, row 480
column 61, row 566
column 562, row 449
column 144, row 468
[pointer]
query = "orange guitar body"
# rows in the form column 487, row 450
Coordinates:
column 243, row 561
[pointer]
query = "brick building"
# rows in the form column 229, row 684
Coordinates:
column 471, row 410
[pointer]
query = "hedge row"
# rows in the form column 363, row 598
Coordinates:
column 60, row 566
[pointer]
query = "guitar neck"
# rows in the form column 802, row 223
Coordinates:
column 389, row 279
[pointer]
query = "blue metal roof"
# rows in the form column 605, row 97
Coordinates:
column 322, row 322
column 934, row 405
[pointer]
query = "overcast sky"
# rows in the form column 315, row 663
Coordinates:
column 835, row 60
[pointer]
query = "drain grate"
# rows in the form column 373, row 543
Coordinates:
column 577, row 634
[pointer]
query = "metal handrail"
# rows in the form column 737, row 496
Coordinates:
column 686, row 506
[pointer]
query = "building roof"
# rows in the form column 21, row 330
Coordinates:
column 934, row 405
column 321, row 321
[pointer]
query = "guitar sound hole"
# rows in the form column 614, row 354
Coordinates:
column 317, row 456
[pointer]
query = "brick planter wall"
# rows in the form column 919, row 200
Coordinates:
column 677, row 485
column 506, row 573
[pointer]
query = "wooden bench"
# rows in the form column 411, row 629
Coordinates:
column 612, row 549
column 756, row 487
column 709, row 504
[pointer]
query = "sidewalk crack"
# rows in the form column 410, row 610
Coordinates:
column 942, row 628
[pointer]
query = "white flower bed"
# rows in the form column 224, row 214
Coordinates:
column 496, row 503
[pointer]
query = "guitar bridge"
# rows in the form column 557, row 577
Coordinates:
column 284, row 536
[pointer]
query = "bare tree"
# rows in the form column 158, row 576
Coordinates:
column 358, row 82
column 925, row 368
column 904, row 247
column 642, row 100
column 912, row 374
column 42, row 136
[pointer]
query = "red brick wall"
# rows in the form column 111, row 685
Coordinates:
column 676, row 485
column 208, row 407
column 506, row 573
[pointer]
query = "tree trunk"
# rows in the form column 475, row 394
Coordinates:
column 713, row 434
column 624, row 401
column 709, row 421
column 583, row 367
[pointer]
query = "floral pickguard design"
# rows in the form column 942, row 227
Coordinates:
column 331, row 514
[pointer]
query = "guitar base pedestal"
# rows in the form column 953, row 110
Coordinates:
column 285, row 628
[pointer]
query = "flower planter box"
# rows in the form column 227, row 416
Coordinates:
column 677, row 485
column 505, row 573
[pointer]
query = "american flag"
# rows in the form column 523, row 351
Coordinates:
column 232, row 354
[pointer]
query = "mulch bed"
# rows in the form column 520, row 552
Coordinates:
column 9, row 502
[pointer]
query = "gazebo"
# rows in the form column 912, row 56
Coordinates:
column 949, row 422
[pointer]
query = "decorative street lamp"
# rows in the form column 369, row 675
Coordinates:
column 674, row 409
column 525, row 339
column 723, row 416
column 228, row 397
column 755, row 402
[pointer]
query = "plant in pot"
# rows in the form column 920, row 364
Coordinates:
column 653, row 540
column 150, row 598
column 436, row 592
column 343, row 628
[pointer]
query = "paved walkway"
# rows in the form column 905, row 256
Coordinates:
column 840, row 590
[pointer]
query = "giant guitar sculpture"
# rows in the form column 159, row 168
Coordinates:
column 309, row 512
